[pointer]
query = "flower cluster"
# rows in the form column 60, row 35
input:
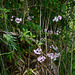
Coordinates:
column 53, row 56
column 57, row 18
column 17, row 20
column 30, row 18
column 56, row 33
column 51, row 32
column 12, row 18
column 42, row 39
column 37, row 51
column 55, row 48
column 41, row 58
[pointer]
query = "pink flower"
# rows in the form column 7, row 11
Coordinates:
column 57, row 33
column 29, row 18
column 50, row 46
column 51, row 32
column 45, row 30
column 56, row 19
column 20, row 19
column 45, row 38
column 42, row 39
column 17, row 20
column 56, row 56
column 11, row 19
column 51, row 55
column 57, row 30
column 41, row 58
column 54, row 59
column 32, row 16
column 59, row 17
column 37, row 51
column 55, row 48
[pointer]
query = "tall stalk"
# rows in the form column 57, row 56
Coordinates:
column 72, row 50
column 24, row 11
column 40, row 19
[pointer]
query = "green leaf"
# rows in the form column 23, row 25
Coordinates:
column 27, row 32
column 30, row 34
column 33, row 36
column 23, row 29
column 21, row 38
column 40, row 44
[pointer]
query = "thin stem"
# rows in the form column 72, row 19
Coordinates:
column 5, row 73
column 40, row 20
column 5, row 21
column 72, row 50
column 27, row 7
column 6, row 53
column 24, row 13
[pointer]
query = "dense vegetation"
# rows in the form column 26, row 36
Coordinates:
column 37, row 37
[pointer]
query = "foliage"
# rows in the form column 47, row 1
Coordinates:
column 28, row 27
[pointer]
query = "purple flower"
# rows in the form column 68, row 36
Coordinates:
column 41, row 58
column 53, row 20
column 51, row 32
column 32, row 16
column 59, row 54
column 20, row 19
column 45, row 30
column 29, row 18
column 37, row 51
column 55, row 48
column 17, row 20
column 59, row 17
column 51, row 55
column 57, row 30
column 45, row 38
column 11, row 19
column 56, row 19
column 57, row 33
column 42, row 39
column 56, row 56
column 50, row 46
